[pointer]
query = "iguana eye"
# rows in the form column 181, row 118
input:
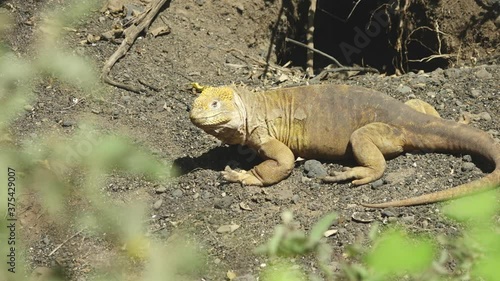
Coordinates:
column 214, row 104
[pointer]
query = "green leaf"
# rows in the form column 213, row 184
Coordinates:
column 69, row 68
column 283, row 271
column 474, row 209
column 319, row 228
column 487, row 267
column 396, row 254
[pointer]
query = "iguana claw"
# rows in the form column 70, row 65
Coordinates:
column 242, row 176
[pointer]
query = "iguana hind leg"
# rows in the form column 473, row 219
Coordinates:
column 370, row 144
column 422, row 106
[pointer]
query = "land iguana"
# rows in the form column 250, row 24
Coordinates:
column 333, row 122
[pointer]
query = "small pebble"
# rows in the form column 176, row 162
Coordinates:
column 377, row 183
column 305, row 180
column 387, row 213
column 422, row 79
column 452, row 73
column 227, row 228
column 240, row 8
column 158, row 204
column 68, row 123
column 177, row 193
column 315, row 169
column 223, row 203
column 206, row 195
column 475, row 93
column 431, row 94
column 483, row 74
column 484, row 116
column 403, row 89
column 361, row 217
column 161, row 189
column 468, row 166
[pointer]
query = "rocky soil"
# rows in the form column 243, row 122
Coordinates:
column 216, row 43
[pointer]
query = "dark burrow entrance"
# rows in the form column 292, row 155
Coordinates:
column 391, row 36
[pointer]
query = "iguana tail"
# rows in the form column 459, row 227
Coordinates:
column 440, row 135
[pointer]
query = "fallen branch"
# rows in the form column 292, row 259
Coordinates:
column 256, row 59
column 314, row 50
column 65, row 241
column 345, row 68
column 141, row 23
column 429, row 58
column 149, row 85
column 353, row 68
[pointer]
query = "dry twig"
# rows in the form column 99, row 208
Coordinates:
column 141, row 23
column 65, row 241
column 257, row 60
column 438, row 37
column 316, row 51
column 310, row 39
column 339, row 69
column 353, row 8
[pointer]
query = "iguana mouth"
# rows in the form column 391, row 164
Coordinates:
column 212, row 120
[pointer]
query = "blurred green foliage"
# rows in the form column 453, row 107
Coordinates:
column 288, row 241
column 283, row 270
column 60, row 169
column 397, row 255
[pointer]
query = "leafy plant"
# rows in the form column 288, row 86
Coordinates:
column 395, row 254
column 60, row 169
column 289, row 241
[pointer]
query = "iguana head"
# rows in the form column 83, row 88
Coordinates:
column 219, row 112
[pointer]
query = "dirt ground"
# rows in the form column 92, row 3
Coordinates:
column 222, row 42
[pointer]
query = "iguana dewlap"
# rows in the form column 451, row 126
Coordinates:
column 333, row 122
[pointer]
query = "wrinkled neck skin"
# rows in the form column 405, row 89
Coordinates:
column 234, row 131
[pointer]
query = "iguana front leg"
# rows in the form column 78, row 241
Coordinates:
column 278, row 164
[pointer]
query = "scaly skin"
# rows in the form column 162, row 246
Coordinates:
column 334, row 122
